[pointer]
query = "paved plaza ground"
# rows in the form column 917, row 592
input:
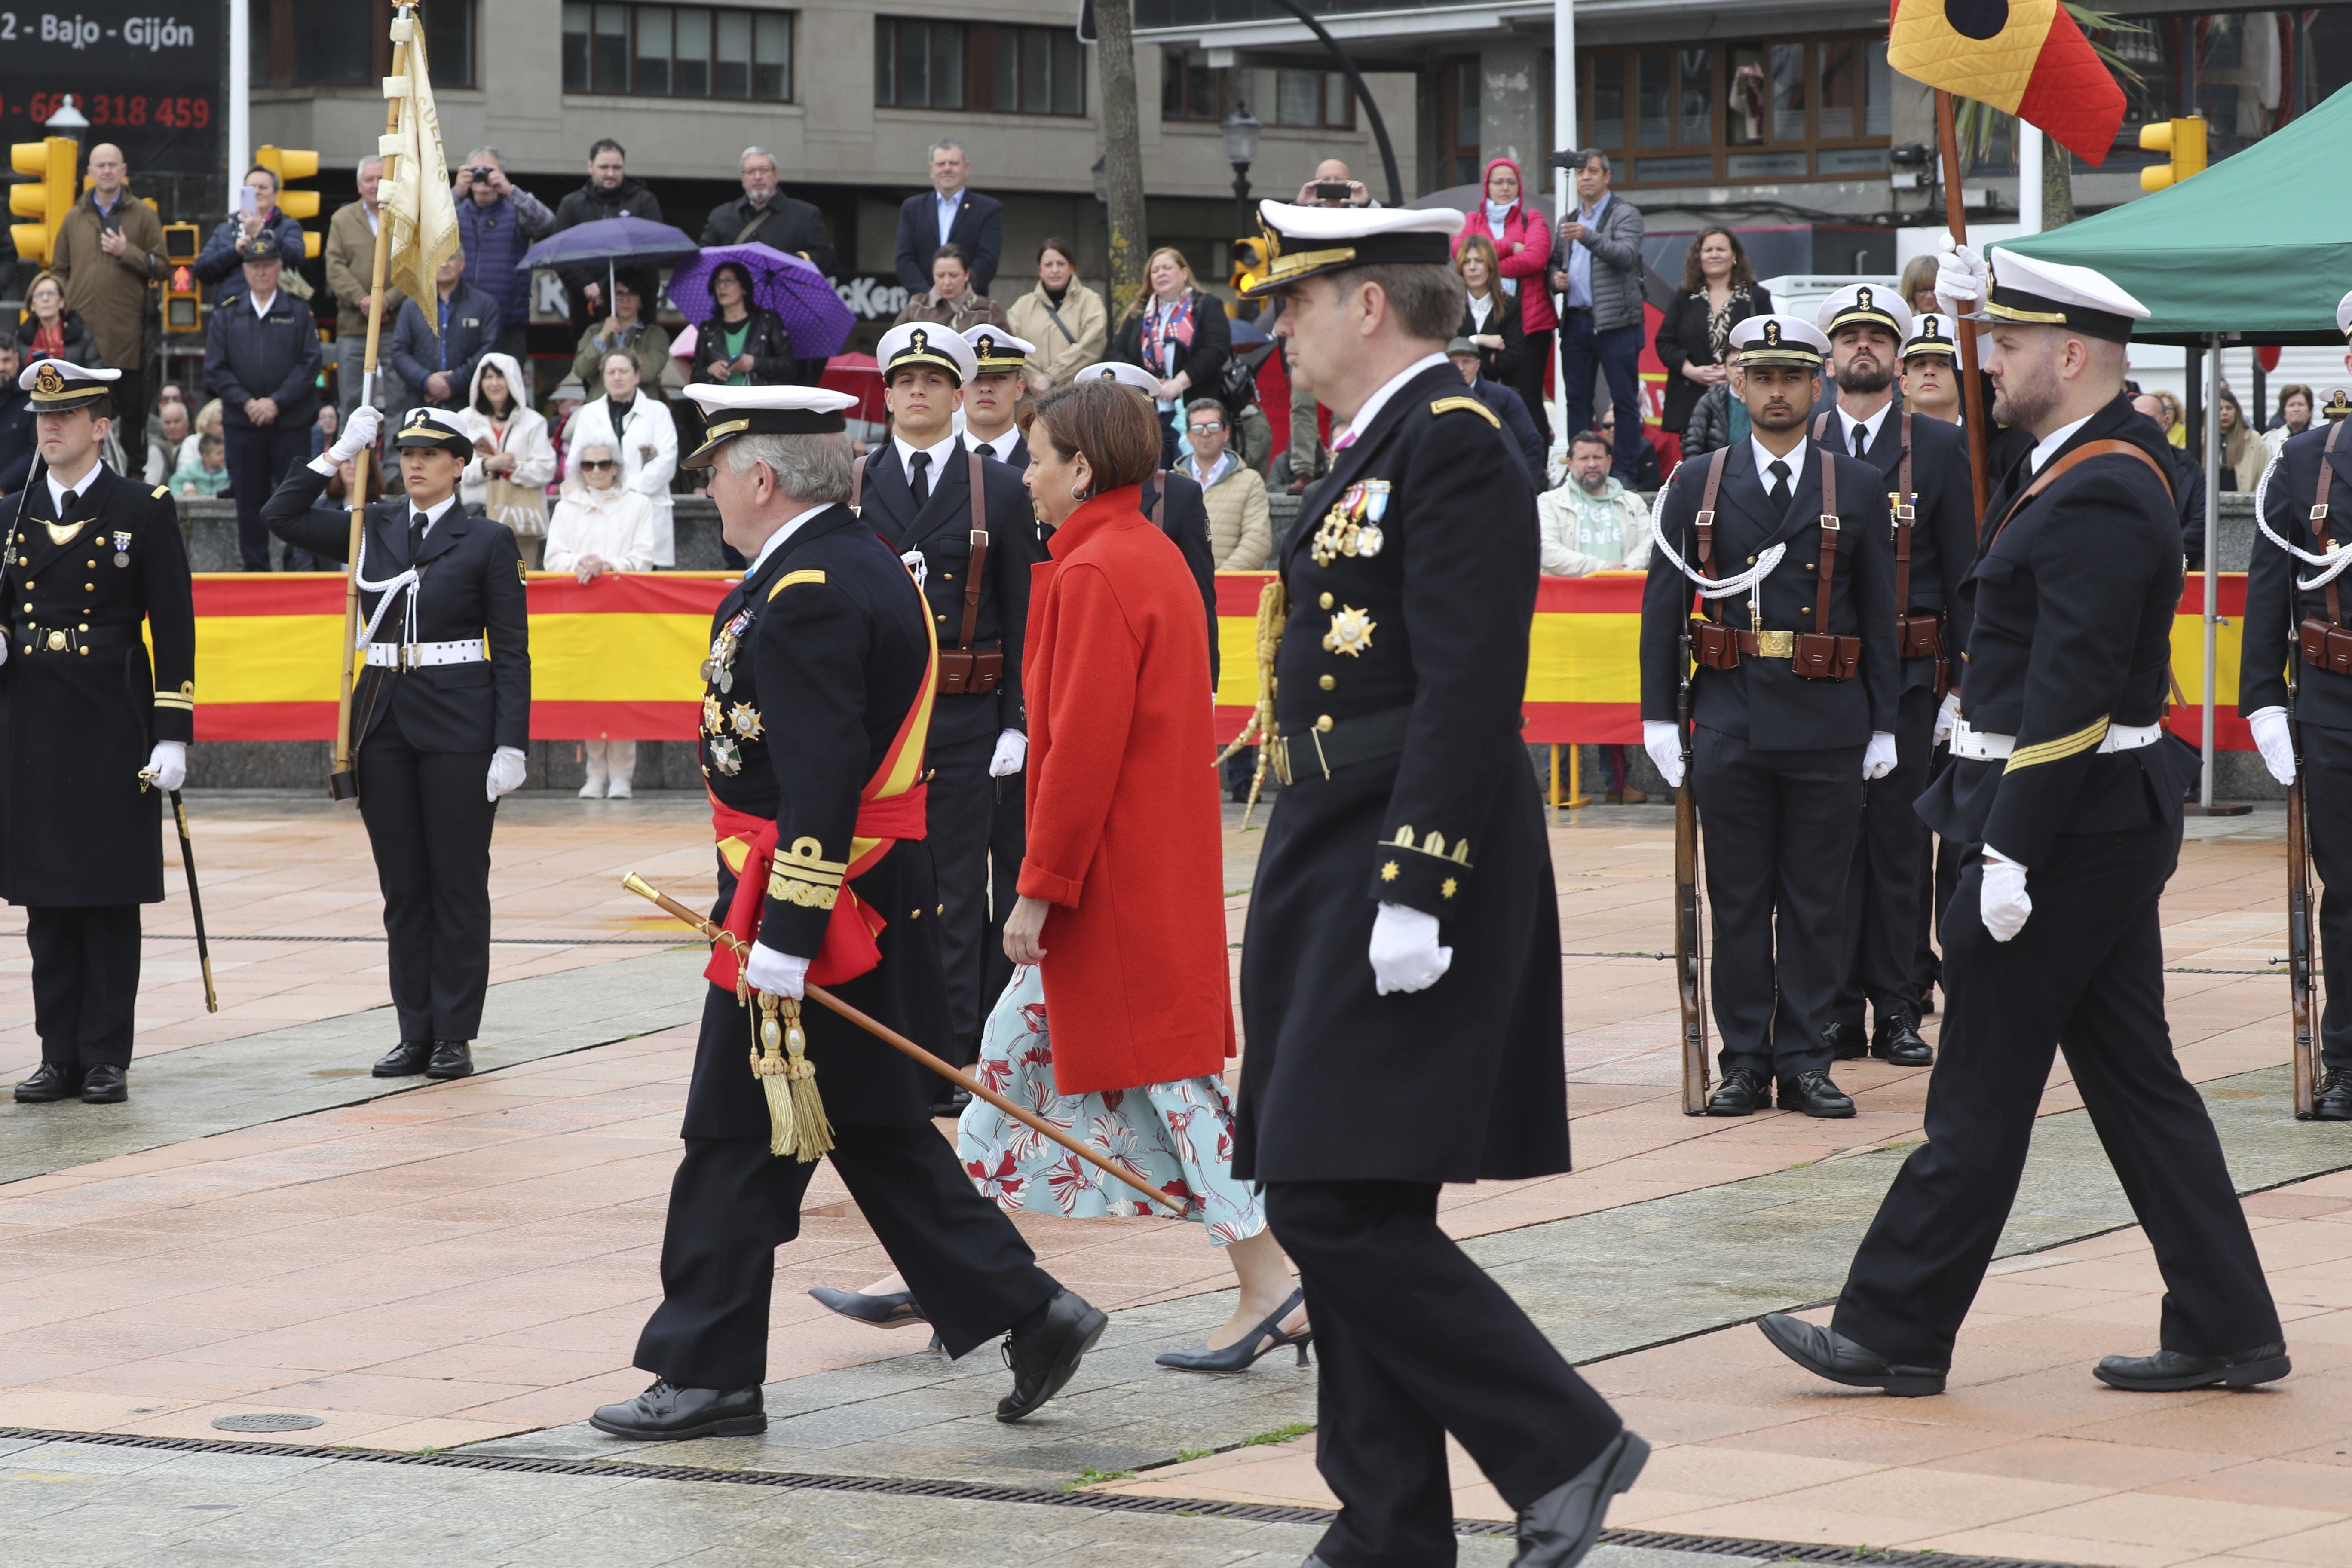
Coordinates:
column 446, row 1280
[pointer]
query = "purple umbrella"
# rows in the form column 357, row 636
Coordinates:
column 793, row 288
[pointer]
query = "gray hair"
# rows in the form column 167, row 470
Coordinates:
column 812, row 468
column 361, row 168
column 1206, row 404
column 751, row 152
column 1428, row 299
column 948, row 144
column 1591, row 155
column 487, row 152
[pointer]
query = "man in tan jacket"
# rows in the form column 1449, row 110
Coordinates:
column 350, row 256
column 108, row 248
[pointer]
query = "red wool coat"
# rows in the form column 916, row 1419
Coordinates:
column 1125, row 836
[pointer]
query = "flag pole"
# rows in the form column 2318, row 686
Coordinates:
column 1955, row 219
column 341, row 783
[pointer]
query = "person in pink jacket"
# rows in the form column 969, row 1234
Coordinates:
column 1523, row 239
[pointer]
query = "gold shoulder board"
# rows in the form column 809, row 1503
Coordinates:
column 789, row 578
column 521, row 577
column 1470, row 404
column 163, row 493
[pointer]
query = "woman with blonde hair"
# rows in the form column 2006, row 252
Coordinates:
column 1492, row 320
column 1178, row 332
column 2244, row 456
column 601, row 526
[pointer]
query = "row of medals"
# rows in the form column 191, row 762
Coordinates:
column 719, row 675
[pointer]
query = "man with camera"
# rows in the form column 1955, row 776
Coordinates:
column 497, row 221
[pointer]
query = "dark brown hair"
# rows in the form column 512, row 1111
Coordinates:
column 1060, row 246
column 1111, row 423
column 1695, row 277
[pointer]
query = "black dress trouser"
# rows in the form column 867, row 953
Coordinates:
column 1417, row 1341
column 2084, row 976
column 732, row 1204
column 2327, row 799
column 957, row 825
column 259, row 456
column 428, row 822
column 85, row 983
column 1008, row 841
column 1887, row 886
column 1779, row 829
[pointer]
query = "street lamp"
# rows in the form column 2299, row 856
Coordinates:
column 1240, row 128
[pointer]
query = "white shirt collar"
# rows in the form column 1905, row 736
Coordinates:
column 1379, row 400
column 1214, row 471
column 1846, row 422
column 436, row 513
column 261, row 306
column 1765, row 459
column 938, row 455
column 997, row 447
column 776, row 539
column 57, row 491
column 2047, row 448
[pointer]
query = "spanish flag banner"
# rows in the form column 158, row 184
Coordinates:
column 2025, row 58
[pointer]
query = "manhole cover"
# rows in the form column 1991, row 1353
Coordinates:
column 267, row 1421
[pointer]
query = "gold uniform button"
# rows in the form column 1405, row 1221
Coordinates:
column 89, row 587
column 1328, row 682
column 1325, row 601
column 1323, row 723
column 1804, row 609
column 1751, row 560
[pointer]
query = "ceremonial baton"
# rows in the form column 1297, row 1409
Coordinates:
column 195, row 902
column 899, row 1042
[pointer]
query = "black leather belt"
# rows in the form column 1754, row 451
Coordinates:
column 1329, row 744
column 30, row 638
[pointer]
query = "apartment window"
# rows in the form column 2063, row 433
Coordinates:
column 1801, row 108
column 980, row 67
column 1191, row 90
column 677, row 51
column 344, row 43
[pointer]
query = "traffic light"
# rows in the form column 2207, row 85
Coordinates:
column 1249, row 261
column 51, row 164
column 292, row 164
column 183, row 309
column 2183, row 140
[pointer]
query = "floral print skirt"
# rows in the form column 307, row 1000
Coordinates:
column 1178, row 1137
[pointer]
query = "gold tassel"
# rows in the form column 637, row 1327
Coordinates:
column 1273, row 609
column 796, row 1120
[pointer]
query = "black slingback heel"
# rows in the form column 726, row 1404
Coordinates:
column 1243, row 1353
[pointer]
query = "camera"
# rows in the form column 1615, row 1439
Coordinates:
column 479, row 174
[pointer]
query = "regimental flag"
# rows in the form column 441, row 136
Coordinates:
column 2025, row 58
column 417, row 196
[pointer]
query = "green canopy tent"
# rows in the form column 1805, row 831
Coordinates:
column 2254, row 250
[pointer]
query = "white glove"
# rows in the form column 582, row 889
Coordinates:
column 1946, row 717
column 918, row 566
column 778, row 973
column 1404, row 952
column 359, row 433
column 2274, row 739
column 1878, row 757
column 1664, row 742
column 1960, row 274
column 169, row 763
column 506, row 771
column 1011, row 750
column 2003, row 903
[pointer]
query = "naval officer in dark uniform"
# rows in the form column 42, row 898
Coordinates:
column 1401, row 970
column 2068, row 791
column 91, row 556
column 1923, row 464
column 1792, row 707
column 971, row 549
column 440, row 717
column 817, row 694
column 2306, row 511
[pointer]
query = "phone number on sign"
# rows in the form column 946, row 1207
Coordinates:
column 113, row 108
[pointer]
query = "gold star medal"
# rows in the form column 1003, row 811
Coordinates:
column 1350, row 633
column 713, row 720
column 746, row 719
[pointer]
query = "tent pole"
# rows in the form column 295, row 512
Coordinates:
column 1955, row 219
column 2212, row 545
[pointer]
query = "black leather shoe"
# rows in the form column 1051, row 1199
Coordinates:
column 2332, row 1103
column 405, row 1059
column 451, row 1058
column 1559, row 1528
column 668, row 1410
column 896, row 1310
column 1894, row 1037
column 1846, row 1041
column 2168, row 1370
column 1739, row 1094
column 1825, row 1352
column 48, row 1084
column 1044, row 1359
column 105, row 1085
column 1816, row 1095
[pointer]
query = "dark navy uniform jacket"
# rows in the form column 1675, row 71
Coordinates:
column 1943, row 528
column 2274, row 606
column 275, row 354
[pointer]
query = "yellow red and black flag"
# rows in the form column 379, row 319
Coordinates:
column 2025, row 58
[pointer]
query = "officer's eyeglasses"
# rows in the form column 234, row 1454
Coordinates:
column 599, row 464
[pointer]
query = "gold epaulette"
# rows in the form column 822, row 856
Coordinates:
column 813, row 574
column 1468, row 405
column 162, row 492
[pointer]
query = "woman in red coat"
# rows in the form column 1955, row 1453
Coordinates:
column 1522, row 238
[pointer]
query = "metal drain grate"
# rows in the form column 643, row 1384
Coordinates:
column 977, row 1491
column 268, row 1421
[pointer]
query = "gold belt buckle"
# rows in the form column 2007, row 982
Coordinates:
column 57, row 642
column 408, row 659
column 1776, row 645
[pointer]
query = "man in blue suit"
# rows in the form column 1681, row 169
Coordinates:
column 949, row 213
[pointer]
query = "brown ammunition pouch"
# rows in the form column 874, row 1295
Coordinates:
column 1715, row 645
column 1816, row 655
column 2327, row 645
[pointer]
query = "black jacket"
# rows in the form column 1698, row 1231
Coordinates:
column 275, row 355
column 1505, row 320
column 2074, row 601
column 979, row 228
column 80, row 348
column 2274, row 606
column 1682, row 340
column 1943, row 526
column 1212, row 342
column 1517, row 425
column 472, row 587
column 417, row 352
column 1765, row 701
column 629, row 199
column 941, row 530
column 1185, row 519
column 17, row 449
column 773, row 364
column 794, row 227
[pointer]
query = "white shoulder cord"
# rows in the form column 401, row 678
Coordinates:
column 1710, row 587
column 2331, row 565
column 387, row 588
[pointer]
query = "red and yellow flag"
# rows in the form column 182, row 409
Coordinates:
column 2025, row 58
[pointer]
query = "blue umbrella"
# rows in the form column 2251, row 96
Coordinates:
column 793, row 288
column 611, row 240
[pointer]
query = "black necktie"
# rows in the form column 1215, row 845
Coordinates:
column 1861, row 441
column 66, row 504
column 1780, row 493
column 417, row 524
column 920, row 480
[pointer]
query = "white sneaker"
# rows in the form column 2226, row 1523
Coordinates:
column 595, row 788
column 620, row 790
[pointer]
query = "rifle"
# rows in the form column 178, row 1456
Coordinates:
column 2300, row 960
column 1690, row 943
